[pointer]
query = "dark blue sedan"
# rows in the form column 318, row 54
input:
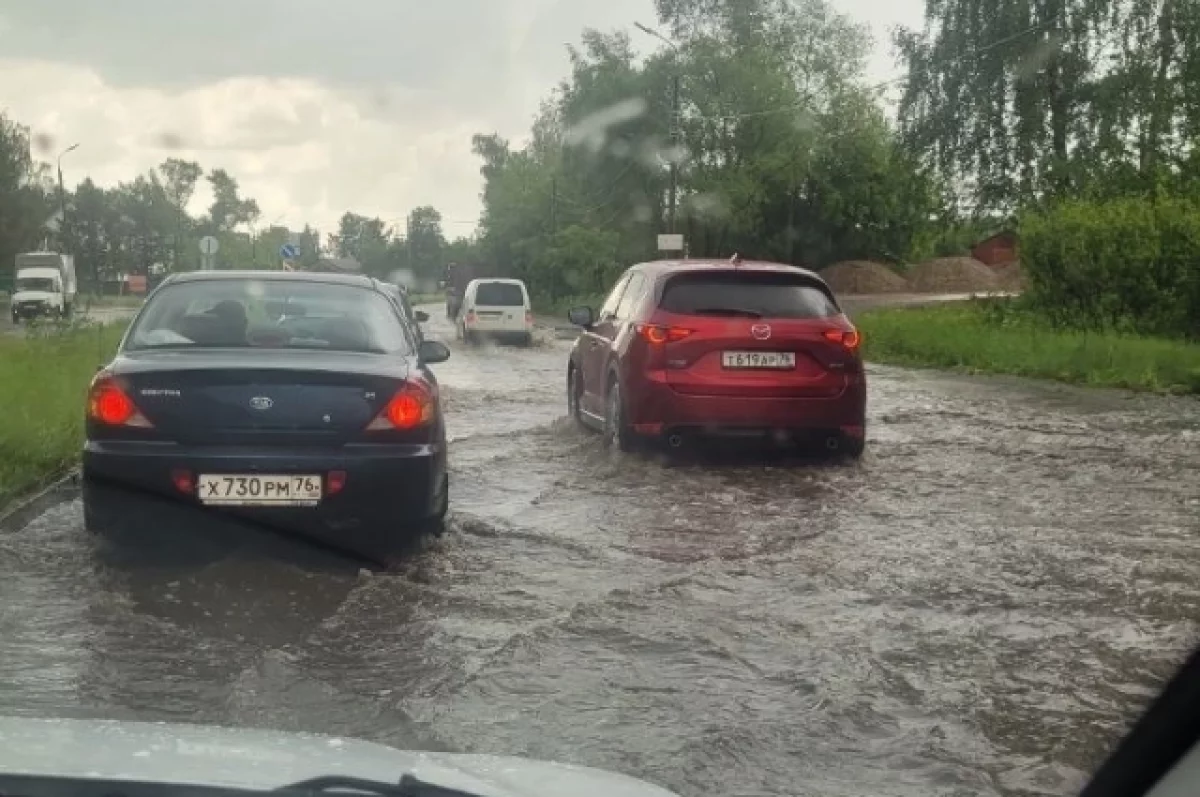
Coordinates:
column 303, row 401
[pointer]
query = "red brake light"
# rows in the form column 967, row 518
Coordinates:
column 659, row 334
column 109, row 404
column 851, row 340
column 414, row 405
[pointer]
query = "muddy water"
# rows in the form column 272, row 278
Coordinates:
column 980, row 607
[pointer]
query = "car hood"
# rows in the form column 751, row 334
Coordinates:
column 264, row 760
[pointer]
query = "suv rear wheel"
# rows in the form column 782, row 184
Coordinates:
column 616, row 427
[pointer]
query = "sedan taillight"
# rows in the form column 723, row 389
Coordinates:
column 413, row 406
column 109, row 404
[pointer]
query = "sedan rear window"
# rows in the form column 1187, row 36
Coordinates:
column 272, row 314
column 499, row 294
column 747, row 294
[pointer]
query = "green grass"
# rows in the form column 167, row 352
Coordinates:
column 979, row 337
column 43, row 386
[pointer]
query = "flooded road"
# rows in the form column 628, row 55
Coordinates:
column 980, row 606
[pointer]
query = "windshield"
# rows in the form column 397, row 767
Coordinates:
column 499, row 294
column 787, row 398
column 47, row 284
column 268, row 314
column 757, row 295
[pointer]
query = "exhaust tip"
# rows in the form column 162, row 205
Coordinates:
column 675, row 441
column 832, row 443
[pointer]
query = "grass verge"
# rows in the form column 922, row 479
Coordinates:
column 43, row 383
column 994, row 337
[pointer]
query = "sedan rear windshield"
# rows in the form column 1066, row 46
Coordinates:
column 499, row 294
column 747, row 294
column 270, row 314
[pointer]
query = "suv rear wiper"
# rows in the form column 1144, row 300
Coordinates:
column 738, row 311
column 409, row 786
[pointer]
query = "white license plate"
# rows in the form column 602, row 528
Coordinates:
column 758, row 359
column 256, row 489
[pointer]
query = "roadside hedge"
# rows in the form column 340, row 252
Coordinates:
column 1126, row 265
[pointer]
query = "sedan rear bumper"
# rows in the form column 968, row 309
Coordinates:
column 389, row 491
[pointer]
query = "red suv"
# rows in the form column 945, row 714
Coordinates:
column 696, row 347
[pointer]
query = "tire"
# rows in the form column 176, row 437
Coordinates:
column 852, row 447
column 436, row 525
column 575, row 397
column 616, row 430
column 99, row 507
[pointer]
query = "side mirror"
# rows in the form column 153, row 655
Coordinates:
column 433, row 351
column 582, row 316
column 421, row 315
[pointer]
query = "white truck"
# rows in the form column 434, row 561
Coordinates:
column 45, row 286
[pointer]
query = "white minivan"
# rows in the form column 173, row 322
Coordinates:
column 496, row 308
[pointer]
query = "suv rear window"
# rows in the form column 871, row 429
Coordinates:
column 499, row 294
column 746, row 294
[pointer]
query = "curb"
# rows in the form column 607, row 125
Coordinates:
column 21, row 510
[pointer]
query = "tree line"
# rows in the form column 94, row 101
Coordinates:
column 144, row 227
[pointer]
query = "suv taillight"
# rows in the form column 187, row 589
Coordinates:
column 850, row 339
column 109, row 404
column 413, row 406
column 654, row 333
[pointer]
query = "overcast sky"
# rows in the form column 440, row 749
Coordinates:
column 316, row 106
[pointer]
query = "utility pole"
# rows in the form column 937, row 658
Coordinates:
column 554, row 204
column 674, row 165
column 673, row 191
column 412, row 263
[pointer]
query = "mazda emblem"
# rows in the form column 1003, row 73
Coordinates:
column 261, row 403
column 760, row 331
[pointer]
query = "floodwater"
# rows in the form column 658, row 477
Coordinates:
column 981, row 606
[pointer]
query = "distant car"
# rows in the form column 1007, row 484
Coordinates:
column 300, row 400
column 698, row 348
column 496, row 308
column 400, row 296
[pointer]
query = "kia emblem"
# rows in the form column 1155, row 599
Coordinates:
column 261, row 403
column 760, row 331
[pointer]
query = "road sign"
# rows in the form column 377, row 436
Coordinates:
column 209, row 245
column 670, row 243
column 289, row 251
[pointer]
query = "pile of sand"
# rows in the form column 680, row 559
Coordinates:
column 953, row 275
column 851, row 277
column 1009, row 276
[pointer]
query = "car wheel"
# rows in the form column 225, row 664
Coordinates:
column 575, row 396
column 99, row 510
column 616, row 429
column 853, row 447
column 436, row 525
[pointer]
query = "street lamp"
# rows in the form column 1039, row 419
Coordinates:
column 674, row 190
column 62, row 191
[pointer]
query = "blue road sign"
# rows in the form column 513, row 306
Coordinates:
column 289, row 251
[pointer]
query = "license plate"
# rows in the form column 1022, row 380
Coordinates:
column 246, row 489
column 758, row 359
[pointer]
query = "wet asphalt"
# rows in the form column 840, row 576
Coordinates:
column 981, row 606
